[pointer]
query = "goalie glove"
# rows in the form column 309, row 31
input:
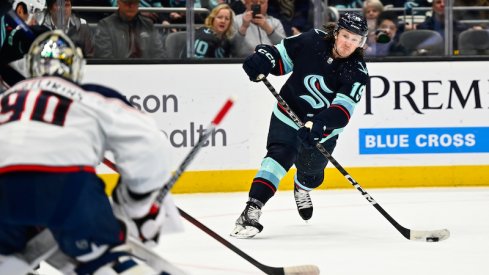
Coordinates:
column 142, row 215
column 261, row 62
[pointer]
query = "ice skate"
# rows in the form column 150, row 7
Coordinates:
column 304, row 203
column 247, row 225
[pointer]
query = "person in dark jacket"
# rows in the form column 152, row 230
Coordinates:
column 128, row 34
column 75, row 27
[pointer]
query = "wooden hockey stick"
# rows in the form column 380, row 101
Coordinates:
column 415, row 235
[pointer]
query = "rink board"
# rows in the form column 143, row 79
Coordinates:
column 418, row 124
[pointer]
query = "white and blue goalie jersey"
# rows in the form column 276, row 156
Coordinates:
column 52, row 124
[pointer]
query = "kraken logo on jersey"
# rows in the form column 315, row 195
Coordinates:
column 315, row 85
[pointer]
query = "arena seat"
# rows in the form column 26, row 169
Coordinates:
column 422, row 42
column 473, row 42
column 175, row 44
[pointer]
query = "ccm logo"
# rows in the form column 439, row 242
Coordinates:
column 268, row 55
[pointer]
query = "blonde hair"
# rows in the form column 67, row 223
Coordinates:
column 209, row 20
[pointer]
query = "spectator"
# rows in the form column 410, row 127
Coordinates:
column 25, row 10
column 371, row 11
column 76, row 28
column 436, row 22
column 20, row 8
column 128, row 34
column 214, row 39
column 254, row 30
column 155, row 17
column 386, row 43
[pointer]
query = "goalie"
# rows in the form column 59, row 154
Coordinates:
column 53, row 133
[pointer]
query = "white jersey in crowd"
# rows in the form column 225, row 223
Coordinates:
column 52, row 124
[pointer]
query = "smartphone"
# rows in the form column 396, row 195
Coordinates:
column 256, row 8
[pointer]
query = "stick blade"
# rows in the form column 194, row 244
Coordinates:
column 301, row 270
column 429, row 236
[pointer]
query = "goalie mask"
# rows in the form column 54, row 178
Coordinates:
column 355, row 23
column 54, row 54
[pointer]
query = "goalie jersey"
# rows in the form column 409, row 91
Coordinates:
column 52, row 124
column 330, row 88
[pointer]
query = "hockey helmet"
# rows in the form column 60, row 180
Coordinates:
column 355, row 23
column 54, row 54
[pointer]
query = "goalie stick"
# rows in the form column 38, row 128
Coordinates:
column 292, row 270
column 414, row 235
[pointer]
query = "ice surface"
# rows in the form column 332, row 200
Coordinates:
column 346, row 234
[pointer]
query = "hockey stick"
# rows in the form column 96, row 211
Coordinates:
column 414, row 235
column 293, row 270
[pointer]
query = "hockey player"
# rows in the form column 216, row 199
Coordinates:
column 53, row 133
column 327, row 81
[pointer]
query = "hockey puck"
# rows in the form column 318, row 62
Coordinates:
column 432, row 239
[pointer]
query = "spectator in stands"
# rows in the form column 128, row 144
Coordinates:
column 386, row 42
column 253, row 30
column 155, row 17
column 20, row 9
column 293, row 14
column 214, row 38
column 76, row 28
column 25, row 10
column 128, row 34
column 371, row 11
column 436, row 22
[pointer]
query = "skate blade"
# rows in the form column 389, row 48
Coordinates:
column 244, row 232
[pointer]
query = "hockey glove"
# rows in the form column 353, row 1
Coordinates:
column 261, row 62
column 311, row 133
column 142, row 216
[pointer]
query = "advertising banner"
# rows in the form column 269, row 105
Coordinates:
column 414, row 118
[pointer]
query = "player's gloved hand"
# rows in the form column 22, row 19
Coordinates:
column 142, row 215
column 259, row 63
column 311, row 133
